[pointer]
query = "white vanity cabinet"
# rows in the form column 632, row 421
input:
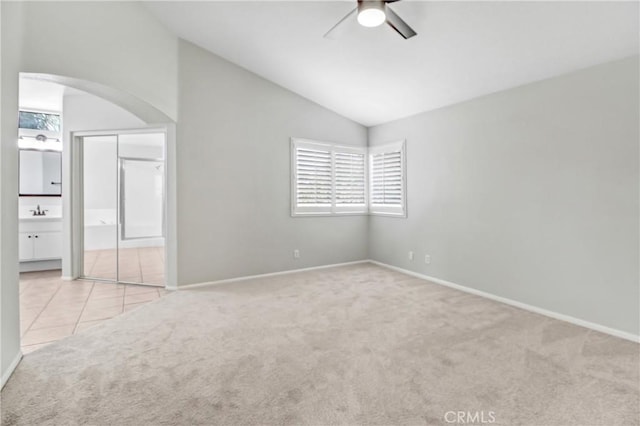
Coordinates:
column 40, row 238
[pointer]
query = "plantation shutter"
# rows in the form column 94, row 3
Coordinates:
column 313, row 178
column 387, row 182
column 350, row 182
column 327, row 178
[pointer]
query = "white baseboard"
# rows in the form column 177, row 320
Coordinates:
column 271, row 274
column 10, row 370
column 40, row 265
column 562, row 317
column 555, row 315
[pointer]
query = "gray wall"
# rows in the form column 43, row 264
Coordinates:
column 529, row 194
column 9, row 307
column 118, row 44
column 233, row 157
column 99, row 37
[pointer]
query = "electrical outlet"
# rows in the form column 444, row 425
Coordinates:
column 410, row 255
column 427, row 259
column 296, row 254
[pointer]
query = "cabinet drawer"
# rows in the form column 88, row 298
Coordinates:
column 40, row 225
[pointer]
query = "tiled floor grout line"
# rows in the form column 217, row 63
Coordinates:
column 124, row 296
column 42, row 310
column 39, row 343
column 61, row 310
column 148, row 258
column 95, row 260
column 140, row 265
column 84, row 305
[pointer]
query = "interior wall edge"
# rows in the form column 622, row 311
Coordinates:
column 11, row 51
column 9, row 371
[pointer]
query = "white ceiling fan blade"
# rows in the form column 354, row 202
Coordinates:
column 339, row 28
column 398, row 24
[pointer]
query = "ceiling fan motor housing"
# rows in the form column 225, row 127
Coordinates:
column 371, row 13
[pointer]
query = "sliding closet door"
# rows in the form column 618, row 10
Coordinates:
column 141, row 231
column 100, row 206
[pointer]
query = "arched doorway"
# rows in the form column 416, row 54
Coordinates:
column 145, row 119
column 153, row 119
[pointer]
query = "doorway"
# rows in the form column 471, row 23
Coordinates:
column 122, row 216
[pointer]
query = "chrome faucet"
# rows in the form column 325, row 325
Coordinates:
column 38, row 212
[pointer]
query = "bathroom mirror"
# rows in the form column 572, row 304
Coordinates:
column 40, row 173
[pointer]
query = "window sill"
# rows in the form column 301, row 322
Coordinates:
column 298, row 215
column 396, row 215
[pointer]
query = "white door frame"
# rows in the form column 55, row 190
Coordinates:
column 73, row 200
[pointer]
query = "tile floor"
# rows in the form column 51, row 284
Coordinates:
column 136, row 265
column 51, row 308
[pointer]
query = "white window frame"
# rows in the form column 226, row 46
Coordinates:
column 333, row 209
column 381, row 209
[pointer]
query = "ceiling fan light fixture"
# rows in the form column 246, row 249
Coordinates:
column 371, row 13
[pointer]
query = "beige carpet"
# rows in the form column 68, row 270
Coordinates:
column 351, row 345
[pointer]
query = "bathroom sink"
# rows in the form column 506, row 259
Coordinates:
column 39, row 218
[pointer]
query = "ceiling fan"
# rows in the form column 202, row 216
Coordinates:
column 372, row 13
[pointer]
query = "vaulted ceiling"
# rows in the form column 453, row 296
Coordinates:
column 463, row 49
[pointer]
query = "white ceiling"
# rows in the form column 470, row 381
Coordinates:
column 463, row 49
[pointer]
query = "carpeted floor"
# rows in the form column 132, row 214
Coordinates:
column 352, row 345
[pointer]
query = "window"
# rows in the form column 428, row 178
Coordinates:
column 39, row 121
column 40, row 130
column 331, row 179
column 327, row 178
column 387, row 183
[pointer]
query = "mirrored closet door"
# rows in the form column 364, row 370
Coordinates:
column 123, row 214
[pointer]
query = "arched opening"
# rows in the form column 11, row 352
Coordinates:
column 139, row 118
column 141, row 109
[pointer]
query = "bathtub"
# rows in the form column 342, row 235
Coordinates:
column 101, row 232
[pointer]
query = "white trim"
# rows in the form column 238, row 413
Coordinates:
column 152, row 128
column 11, row 369
column 40, row 264
column 271, row 274
column 551, row 314
column 380, row 213
column 329, row 214
column 388, row 147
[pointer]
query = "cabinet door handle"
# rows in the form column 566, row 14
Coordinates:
column 36, row 236
column 29, row 236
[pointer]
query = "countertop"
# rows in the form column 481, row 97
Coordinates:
column 40, row 218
